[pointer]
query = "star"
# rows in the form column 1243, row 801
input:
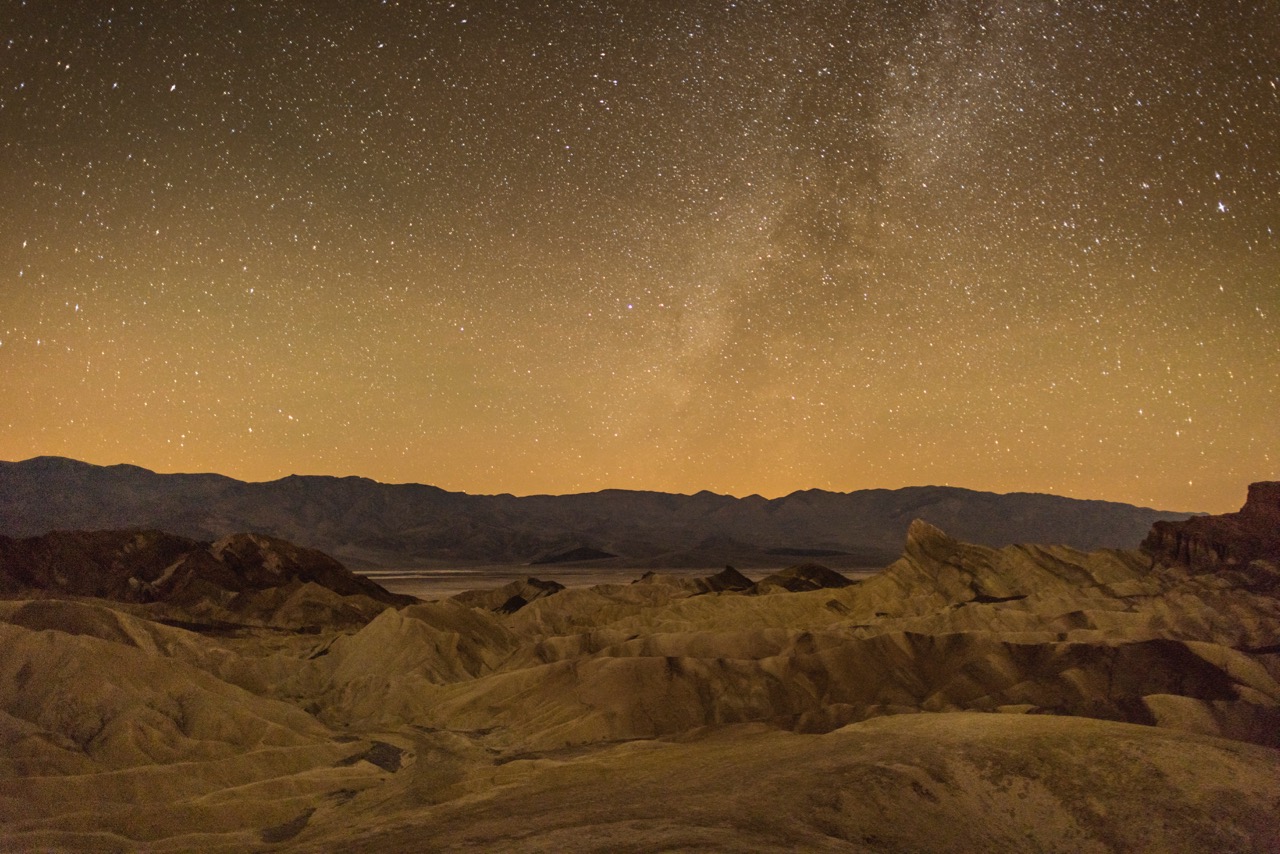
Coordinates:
column 887, row 246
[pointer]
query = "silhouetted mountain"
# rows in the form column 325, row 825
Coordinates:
column 365, row 523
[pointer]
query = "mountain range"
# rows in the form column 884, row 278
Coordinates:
column 369, row 524
column 164, row 694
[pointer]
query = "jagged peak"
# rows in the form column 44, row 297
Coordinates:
column 921, row 532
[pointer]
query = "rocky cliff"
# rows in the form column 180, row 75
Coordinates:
column 1236, row 540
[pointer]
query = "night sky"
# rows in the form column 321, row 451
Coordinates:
column 749, row 247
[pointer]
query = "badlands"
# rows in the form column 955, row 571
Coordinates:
column 159, row 693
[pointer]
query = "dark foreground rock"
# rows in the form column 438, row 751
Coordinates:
column 1206, row 543
column 241, row 578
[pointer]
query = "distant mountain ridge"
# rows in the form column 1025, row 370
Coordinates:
column 366, row 523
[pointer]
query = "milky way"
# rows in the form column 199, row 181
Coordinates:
column 562, row 246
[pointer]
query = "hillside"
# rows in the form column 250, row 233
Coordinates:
column 240, row 580
column 365, row 523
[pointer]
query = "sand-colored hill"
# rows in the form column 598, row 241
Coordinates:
column 910, row 783
column 965, row 698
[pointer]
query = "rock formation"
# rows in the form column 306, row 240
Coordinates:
column 509, row 598
column 806, row 576
column 727, row 579
column 1207, row 543
column 243, row 578
column 964, row 698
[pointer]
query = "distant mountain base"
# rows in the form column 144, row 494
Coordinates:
column 577, row 555
column 791, row 552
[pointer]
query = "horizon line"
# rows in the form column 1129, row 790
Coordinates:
column 736, row 497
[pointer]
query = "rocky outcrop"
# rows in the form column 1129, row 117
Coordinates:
column 241, row 578
column 726, row 579
column 802, row 578
column 509, row 598
column 1207, row 543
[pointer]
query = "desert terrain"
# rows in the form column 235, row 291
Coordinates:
column 159, row 693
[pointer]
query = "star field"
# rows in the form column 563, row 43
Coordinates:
column 740, row 246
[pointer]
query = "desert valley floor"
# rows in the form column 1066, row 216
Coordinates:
column 163, row 694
